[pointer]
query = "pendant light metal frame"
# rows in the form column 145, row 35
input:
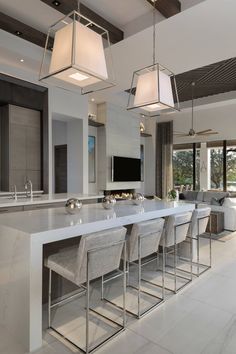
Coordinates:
column 50, row 77
column 158, row 68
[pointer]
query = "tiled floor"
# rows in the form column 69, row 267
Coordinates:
column 201, row 319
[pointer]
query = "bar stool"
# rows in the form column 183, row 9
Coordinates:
column 175, row 231
column 97, row 254
column 200, row 219
column 142, row 242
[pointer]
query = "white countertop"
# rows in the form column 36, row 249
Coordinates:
column 45, row 199
column 48, row 225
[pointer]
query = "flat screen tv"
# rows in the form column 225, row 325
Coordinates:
column 125, row 169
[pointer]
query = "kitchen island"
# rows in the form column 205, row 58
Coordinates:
column 41, row 201
column 22, row 238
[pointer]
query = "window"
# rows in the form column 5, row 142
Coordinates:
column 197, row 169
column 216, row 168
column 183, row 167
column 223, row 165
column 186, row 166
column 231, row 166
column 92, row 158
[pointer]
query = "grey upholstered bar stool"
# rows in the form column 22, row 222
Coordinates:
column 200, row 219
column 142, row 242
column 175, row 231
column 97, row 254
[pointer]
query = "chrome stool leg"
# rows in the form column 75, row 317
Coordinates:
column 49, row 297
column 175, row 267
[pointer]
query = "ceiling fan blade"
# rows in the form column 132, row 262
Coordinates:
column 181, row 135
column 204, row 131
column 206, row 134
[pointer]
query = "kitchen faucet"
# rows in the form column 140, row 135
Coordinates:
column 14, row 192
column 29, row 184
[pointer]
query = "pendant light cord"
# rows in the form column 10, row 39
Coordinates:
column 154, row 32
column 193, row 84
column 78, row 5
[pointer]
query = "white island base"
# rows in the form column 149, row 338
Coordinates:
column 22, row 236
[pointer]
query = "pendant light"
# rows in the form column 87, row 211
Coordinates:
column 153, row 88
column 77, row 54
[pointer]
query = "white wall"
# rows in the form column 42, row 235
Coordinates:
column 142, row 22
column 76, row 164
column 120, row 137
column 72, row 106
column 219, row 118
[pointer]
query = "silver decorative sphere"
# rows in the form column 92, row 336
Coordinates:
column 138, row 199
column 108, row 202
column 73, row 206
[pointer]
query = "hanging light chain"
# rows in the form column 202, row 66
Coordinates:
column 193, row 85
column 78, row 5
column 154, row 32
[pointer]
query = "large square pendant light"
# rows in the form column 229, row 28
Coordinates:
column 77, row 55
column 153, row 88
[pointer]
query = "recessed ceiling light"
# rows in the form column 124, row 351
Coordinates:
column 56, row 3
column 18, row 33
column 92, row 99
column 22, row 60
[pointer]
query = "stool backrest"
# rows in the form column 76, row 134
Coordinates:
column 176, row 226
column 150, row 234
column 103, row 250
column 200, row 220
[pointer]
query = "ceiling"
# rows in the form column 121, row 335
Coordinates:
column 189, row 46
column 213, row 79
column 119, row 12
column 31, row 12
column 209, row 80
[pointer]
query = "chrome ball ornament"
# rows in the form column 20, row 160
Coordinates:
column 73, row 206
column 108, row 202
column 138, row 199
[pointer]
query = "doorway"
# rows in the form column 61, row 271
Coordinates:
column 61, row 168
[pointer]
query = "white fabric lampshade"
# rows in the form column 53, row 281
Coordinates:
column 147, row 91
column 89, row 64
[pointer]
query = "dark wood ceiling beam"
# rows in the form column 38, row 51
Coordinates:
column 66, row 6
column 167, row 8
column 21, row 30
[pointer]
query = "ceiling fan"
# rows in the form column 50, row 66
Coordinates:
column 192, row 133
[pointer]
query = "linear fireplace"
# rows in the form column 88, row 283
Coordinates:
column 120, row 193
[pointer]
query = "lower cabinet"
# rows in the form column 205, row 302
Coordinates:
column 43, row 206
column 11, row 209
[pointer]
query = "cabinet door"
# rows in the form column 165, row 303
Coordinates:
column 11, row 209
column 33, row 148
column 17, row 147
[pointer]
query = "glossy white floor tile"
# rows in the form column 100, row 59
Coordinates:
column 201, row 319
